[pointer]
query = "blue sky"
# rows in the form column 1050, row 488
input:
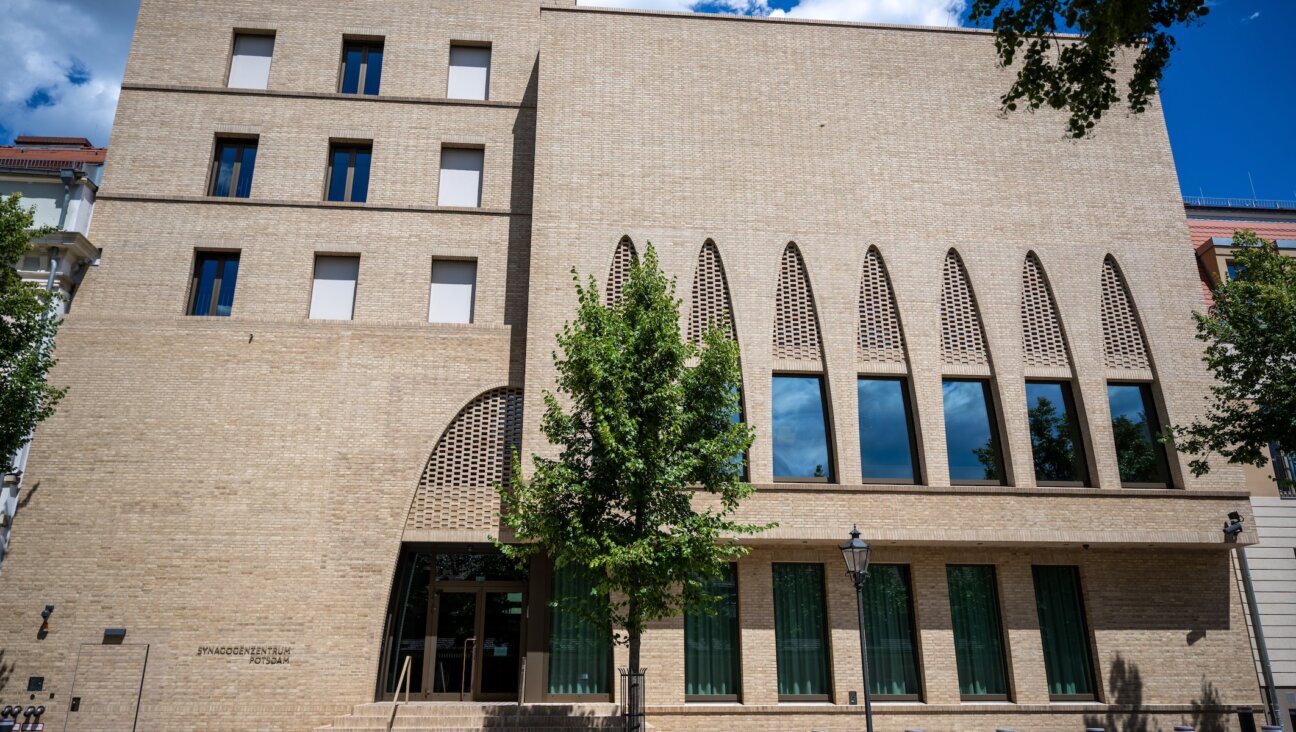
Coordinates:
column 1229, row 93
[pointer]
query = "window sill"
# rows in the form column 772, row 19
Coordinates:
column 784, row 479
column 285, row 203
column 283, row 93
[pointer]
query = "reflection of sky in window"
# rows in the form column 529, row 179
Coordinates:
column 800, row 433
column 967, row 427
column 884, row 430
column 1051, row 393
column 1126, row 401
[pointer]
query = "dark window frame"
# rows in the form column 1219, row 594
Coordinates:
column 1076, row 424
column 911, row 423
column 241, row 145
column 1151, row 411
column 221, row 257
column 353, row 149
column 738, row 678
column 365, row 46
column 827, row 639
column 830, row 471
column 992, row 418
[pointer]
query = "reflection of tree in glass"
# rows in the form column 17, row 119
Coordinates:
column 819, row 471
column 1051, row 442
column 988, row 456
column 1134, row 453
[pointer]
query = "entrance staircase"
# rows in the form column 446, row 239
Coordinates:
column 474, row 716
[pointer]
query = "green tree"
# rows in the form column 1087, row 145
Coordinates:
column 1080, row 75
column 1135, row 457
column 644, row 487
column 1052, row 444
column 1250, row 336
column 26, row 336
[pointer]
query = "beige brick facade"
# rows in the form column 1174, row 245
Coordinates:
column 218, row 486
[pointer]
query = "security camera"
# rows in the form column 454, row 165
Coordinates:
column 1234, row 525
column 48, row 611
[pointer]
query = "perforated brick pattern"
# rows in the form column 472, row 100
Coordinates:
column 796, row 327
column 962, row 337
column 619, row 272
column 1123, row 344
column 709, row 303
column 1043, row 343
column 457, row 488
column 880, row 338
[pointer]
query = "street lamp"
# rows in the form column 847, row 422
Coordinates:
column 856, row 554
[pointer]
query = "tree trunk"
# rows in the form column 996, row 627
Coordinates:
column 634, row 650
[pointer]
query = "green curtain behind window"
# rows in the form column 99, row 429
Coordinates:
column 801, row 643
column 893, row 666
column 1062, row 629
column 711, row 642
column 578, row 649
column 978, row 639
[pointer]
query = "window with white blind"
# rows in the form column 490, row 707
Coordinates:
column 250, row 64
column 454, row 285
column 469, row 72
column 461, row 177
column 334, row 288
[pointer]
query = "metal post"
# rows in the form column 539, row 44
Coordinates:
column 860, row 578
column 1271, row 692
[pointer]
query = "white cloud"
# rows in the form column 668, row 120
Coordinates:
column 63, row 62
column 1252, row 16
column 905, row 12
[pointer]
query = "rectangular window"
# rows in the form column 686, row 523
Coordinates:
column 361, row 67
column 469, row 72
column 711, row 643
column 348, row 173
column 333, row 291
column 1139, row 456
column 971, row 439
column 892, row 646
column 453, row 285
column 1067, row 661
column 579, row 651
column 800, row 429
column 801, row 632
column 1055, row 434
column 886, row 435
column 250, row 63
column 978, row 634
column 232, row 168
column 212, row 290
column 461, row 177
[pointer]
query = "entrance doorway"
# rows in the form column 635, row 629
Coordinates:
column 459, row 620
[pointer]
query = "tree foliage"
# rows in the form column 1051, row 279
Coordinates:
column 644, row 422
column 1080, row 75
column 1052, row 444
column 26, row 336
column 1250, row 336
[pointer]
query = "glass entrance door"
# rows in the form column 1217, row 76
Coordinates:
column 478, row 646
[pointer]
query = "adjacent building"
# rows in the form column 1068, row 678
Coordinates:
column 338, row 244
column 1211, row 224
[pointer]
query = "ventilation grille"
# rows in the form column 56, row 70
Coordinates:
column 475, row 452
column 1123, row 343
column 796, row 329
column 880, row 339
column 710, row 299
column 962, row 338
column 1043, row 344
column 622, row 258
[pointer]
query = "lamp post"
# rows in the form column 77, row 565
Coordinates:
column 856, row 554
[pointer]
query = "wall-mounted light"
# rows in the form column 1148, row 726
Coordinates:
column 45, row 616
column 1234, row 525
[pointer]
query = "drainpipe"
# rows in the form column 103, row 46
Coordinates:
column 68, row 176
column 1271, row 692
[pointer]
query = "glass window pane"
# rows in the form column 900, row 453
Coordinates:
column 360, row 178
column 228, row 278
column 373, row 70
column 334, row 287
column 461, row 175
column 970, row 438
column 340, row 164
column 206, row 267
column 477, row 568
column 800, row 429
column 410, row 617
column 800, row 630
column 1055, row 432
column 469, row 72
column 888, row 618
column 352, row 57
column 1138, row 456
column 453, row 283
column 250, row 64
column 226, row 155
column 246, row 166
column 886, row 447
column 1067, row 662
column 978, row 635
column 578, row 650
column 711, row 642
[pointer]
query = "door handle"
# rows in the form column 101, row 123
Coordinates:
column 463, row 667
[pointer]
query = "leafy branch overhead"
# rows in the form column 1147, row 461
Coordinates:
column 1080, row 75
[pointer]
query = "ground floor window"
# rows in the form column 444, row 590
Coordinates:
column 978, row 633
column 888, row 618
column 409, row 619
column 1067, row 661
column 800, row 631
column 711, row 642
column 579, row 650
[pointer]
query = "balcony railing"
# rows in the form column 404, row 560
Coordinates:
column 1268, row 204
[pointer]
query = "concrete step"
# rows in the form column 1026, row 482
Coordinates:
column 476, row 717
